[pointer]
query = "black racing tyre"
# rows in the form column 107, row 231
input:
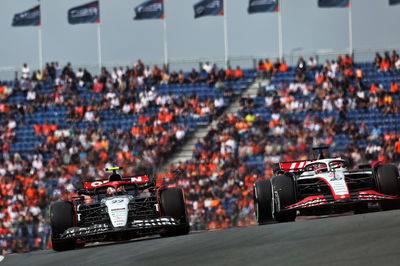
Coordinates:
column 172, row 203
column 263, row 201
column 61, row 218
column 386, row 177
column 387, row 181
column 285, row 188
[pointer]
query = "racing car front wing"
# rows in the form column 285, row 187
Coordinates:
column 97, row 229
column 319, row 200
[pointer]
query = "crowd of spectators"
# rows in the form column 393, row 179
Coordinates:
column 387, row 62
column 267, row 69
column 218, row 179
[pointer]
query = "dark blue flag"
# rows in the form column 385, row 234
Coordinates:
column 256, row 6
column 151, row 9
column 394, row 2
column 29, row 17
column 209, row 8
column 333, row 3
column 87, row 13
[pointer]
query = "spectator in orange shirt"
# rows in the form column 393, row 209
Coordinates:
column 143, row 119
column 268, row 66
column 161, row 115
column 319, row 79
column 135, row 131
column 373, row 89
column 394, row 87
column 169, row 117
column 38, row 129
column 283, row 67
column 46, row 128
column 385, row 65
column 349, row 72
column 260, row 66
column 347, row 61
column 229, row 73
column 79, row 111
column 238, row 73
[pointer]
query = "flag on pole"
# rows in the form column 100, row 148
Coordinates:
column 151, row 9
column 30, row 17
column 394, row 2
column 209, row 8
column 87, row 13
column 333, row 3
column 257, row 6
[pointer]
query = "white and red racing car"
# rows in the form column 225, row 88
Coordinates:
column 324, row 186
column 118, row 208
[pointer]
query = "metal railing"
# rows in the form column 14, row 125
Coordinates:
column 250, row 61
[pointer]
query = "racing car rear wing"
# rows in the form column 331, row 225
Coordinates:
column 131, row 179
column 295, row 166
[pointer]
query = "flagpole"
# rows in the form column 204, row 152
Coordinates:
column 40, row 49
column 99, row 46
column 350, row 30
column 165, row 41
column 226, row 32
column 280, row 34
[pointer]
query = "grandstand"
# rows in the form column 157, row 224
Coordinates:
column 62, row 126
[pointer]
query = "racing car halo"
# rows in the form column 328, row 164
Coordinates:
column 121, row 208
column 324, row 186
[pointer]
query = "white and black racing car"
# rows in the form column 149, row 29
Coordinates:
column 324, row 186
column 118, row 208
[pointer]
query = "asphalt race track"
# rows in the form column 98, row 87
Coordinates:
column 365, row 239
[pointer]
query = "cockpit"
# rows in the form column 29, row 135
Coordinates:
column 319, row 167
column 324, row 166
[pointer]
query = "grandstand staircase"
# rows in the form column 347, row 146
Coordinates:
column 185, row 152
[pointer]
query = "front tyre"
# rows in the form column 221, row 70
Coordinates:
column 387, row 181
column 263, row 201
column 172, row 203
column 61, row 218
column 285, row 190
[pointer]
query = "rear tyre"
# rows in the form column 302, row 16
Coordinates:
column 172, row 203
column 61, row 218
column 284, row 187
column 387, row 180
column 263, row 201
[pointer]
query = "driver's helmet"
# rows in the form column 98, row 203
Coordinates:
column 111, row 191
column 320, row 168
